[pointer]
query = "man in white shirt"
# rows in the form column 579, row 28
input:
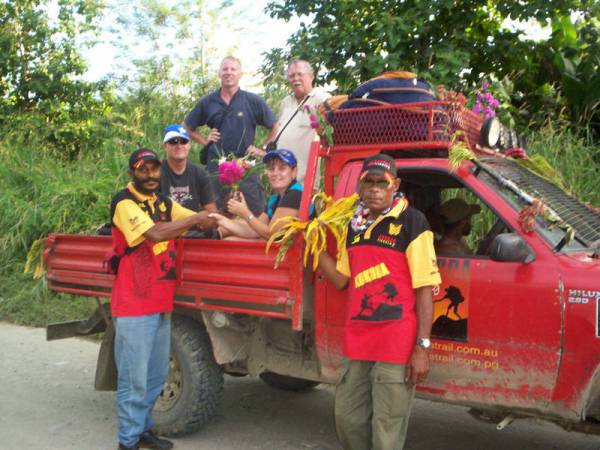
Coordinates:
column 298, row 134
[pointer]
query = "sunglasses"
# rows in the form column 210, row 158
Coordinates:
column 379, row 184
column 175, row 141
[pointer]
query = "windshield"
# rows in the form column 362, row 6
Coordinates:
column 573, row 214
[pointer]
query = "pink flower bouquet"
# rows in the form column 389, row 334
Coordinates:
column 232, row 171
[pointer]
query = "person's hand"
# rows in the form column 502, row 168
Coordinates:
column 213, row 136
column 255, row 151
column 418, row 366
column 237, row 205
column 205, row 221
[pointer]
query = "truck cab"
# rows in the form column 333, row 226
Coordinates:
column 516, row 319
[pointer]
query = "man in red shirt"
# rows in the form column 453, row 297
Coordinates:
column 389, row 266
column 144, row 225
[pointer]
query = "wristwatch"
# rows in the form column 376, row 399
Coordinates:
column 424, row 342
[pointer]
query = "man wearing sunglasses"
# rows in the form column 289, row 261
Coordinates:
column 182, row 181
column 389, row 267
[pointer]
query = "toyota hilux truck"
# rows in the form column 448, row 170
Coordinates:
column 516, row 327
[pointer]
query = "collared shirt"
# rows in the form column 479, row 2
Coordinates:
column 236, row 122
column 386, row 263
column 145, row 282
column 298, row 135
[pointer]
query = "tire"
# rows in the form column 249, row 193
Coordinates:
column 287, row 383
column 194, row 384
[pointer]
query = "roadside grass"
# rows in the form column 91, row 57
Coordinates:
column 572, row 158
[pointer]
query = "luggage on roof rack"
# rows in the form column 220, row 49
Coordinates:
column 410, row 125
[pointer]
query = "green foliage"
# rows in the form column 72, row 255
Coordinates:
column 41, row 91
column 455, row 43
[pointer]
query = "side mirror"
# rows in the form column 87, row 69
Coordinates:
column 510, row 247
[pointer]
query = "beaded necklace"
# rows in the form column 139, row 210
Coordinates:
column 360, row 221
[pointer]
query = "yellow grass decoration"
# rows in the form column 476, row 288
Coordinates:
column 334, row 216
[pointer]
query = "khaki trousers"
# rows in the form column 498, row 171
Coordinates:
column 372, row 406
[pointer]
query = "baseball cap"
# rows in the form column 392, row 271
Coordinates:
column 175, row 130
column 456, row 209
column 141, row 155
column 283, row 154
column 379, row 164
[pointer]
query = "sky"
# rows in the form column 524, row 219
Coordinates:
column 251, row 32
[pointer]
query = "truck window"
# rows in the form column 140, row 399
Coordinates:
column 462, row 232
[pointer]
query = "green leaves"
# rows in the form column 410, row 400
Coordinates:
column 457, row 42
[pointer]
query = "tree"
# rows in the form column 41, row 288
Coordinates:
column 453, row 42
column 41, row 89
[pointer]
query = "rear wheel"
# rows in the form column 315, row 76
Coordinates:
column 287, row 383
column 194, row 385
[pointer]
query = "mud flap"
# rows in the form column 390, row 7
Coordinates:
column 106, row 369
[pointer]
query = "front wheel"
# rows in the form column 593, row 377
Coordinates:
column 287, row 383
column 194, row 385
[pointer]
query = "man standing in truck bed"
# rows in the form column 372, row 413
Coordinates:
column 390, row 268
column 144, row 225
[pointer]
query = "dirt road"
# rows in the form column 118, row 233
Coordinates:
column 47, row 402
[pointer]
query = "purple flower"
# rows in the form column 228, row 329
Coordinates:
column 489, row 98
column 485, row 85
column 494, row 103
column 477, row 108
column 307, row 108
column 314, row 121
column 479, row 96
column 488, row 112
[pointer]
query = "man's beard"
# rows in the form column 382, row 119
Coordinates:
column 139, row 184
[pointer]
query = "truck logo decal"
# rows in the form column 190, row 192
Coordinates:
column 451, row 301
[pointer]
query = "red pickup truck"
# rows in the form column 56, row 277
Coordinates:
column 516, row 327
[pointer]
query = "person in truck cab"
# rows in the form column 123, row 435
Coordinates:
column 456, row 224
column 144, row 225
column 389, row 267
column 281, row 168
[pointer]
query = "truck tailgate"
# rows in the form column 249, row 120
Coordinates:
column 228, row 276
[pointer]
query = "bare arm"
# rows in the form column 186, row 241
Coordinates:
column 213, row 135
column 236, row 228
column 163, row 231
column 327, row 265
column 419, row 362
column 258, row 152
column 272, row 133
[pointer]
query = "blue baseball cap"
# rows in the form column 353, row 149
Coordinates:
column 283, row 154
column 175, row 130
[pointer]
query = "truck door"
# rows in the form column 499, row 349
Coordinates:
column 497, row 325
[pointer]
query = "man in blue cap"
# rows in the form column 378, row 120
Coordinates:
column 182, row 181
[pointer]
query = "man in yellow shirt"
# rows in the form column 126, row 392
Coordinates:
column 144, row 225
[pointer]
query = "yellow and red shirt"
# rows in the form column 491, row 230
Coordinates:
column 386, row 263
column 145, row 282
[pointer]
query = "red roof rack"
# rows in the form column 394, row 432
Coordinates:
column 404, row 126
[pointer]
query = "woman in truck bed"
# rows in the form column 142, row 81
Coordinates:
column 281, row 168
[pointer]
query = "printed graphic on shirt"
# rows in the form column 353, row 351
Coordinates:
column 180, row 194
column 379, row 305
column 167, row 267
column 451, row 303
